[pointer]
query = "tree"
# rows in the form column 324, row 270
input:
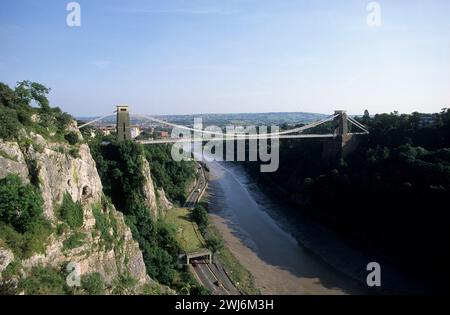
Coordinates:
column 7, row 95
column 71, row 212
column 72, row 138
column 29, row 91
column 214, row 243
column 93, row 284
column 366, row 114
column 20, row 205
column 200, row 216
column 9, row 123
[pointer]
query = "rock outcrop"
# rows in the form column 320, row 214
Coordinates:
column 57, row 168
column 12, row 160
column 149, row 190
column 163, row 202
column 155, row 199
column 6, row 257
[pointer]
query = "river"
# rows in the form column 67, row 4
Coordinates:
column 285, row 253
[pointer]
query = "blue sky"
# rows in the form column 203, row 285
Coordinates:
column 191, row 56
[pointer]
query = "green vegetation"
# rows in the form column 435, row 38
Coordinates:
column 75, row 240
column 149, row 289
column 20, row 205
column 394, row 187
column 200, row 216
column 124, row 285
column 72, row 138
column 93, row 284
column 214, row 242
column 7, row 156
column 22, row 226
column 173, row 176
column 186, row 233
column 71, row 212
column 44, row 281
column 104, row 224
column 17, row 113
column 120, row 166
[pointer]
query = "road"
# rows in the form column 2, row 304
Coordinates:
column 211, row 276
column 193, row 197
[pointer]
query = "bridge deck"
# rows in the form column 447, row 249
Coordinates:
column 241, row 138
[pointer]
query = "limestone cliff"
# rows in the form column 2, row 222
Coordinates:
column 155, row 199
column 58, row 168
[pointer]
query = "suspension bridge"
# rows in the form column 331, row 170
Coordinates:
column 340, row 119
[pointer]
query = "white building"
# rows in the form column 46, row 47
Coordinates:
column 135, row 131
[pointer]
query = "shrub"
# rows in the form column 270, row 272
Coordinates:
column 44, row 281
column 103, row 224
column 93, row 284
column 71, row 212
column 9, row 123
column 214, row 242
column 124, row 284
column 28, row 243
column 35, row 240
column 72, row 138
column 200, row 216
column 63, row 119
column 74, row 241
column 75, row 153
column 61, row 229
column 20, row 205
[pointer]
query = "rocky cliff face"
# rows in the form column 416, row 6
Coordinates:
column 155, row 200
column 57, row 168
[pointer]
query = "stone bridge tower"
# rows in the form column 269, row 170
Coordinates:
column 123, row 123
column 339, row 147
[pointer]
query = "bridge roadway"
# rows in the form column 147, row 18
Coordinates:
column 211, row 276
column 231, row 138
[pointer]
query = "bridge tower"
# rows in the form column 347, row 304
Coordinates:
column 123, row 123
column 341, row 122
column 343, row 144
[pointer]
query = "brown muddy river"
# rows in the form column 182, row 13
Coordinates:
column 285, row 254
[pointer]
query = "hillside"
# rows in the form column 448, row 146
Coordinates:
column 59, row 232
column 386, row 198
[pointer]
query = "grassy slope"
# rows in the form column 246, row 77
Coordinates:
column 187, row 233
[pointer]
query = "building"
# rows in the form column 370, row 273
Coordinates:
column 123, row 123
column 135, row 131
column 107, row 130
column 163, row 134
column 148, row 130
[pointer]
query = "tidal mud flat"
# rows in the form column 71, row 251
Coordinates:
column 285, row 253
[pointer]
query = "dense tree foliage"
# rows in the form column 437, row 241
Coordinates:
column 120, row 167
column 71, row 212
column 390, row 196
column 173, row 176
column 27, row 107
column 200, row 216
column 20, row 205
column 93, row 284
column 22, row 225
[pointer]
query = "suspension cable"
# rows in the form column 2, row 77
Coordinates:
column 97, row 119
column 357, row 124
column 299, row 129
